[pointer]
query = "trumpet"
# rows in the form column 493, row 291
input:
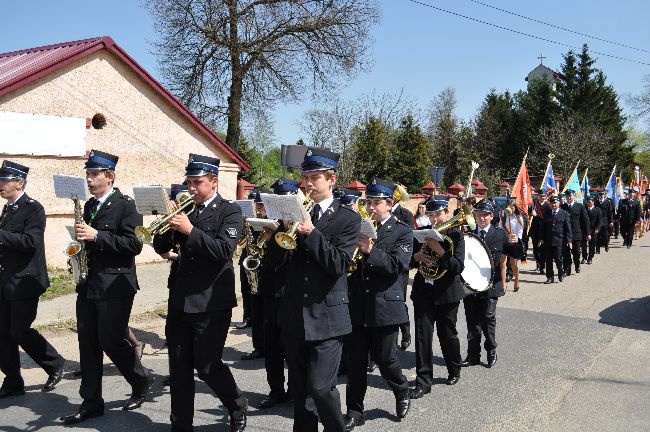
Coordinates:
column 287, row 240
column 161, row 225
column 357, row 256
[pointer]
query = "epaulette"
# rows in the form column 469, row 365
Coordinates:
column 126, row 197
column 401, row 222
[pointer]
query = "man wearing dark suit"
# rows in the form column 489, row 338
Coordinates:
column 480, row 308
column 580, row 232
column 105, row 298
column 200, row 303
column 272, row 285
column 596, row 223
column 404, row 215
column 628, row 210
column 377, row 304
column 314, row 312
column 537, row 230
column 557, row 235
column 436, row 301
column 606, row 206
column 23, row 278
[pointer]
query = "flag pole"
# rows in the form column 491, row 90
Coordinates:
column 575, row 170
column 548, row 165
column 610, row 177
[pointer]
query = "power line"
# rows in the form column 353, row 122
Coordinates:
column 559, row 27
column 523, row 33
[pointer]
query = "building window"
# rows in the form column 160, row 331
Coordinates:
column 99, row 121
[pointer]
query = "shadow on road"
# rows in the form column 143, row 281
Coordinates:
column 632, row 313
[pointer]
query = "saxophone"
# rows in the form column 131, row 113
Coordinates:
column 251, row 274
column 76, row 250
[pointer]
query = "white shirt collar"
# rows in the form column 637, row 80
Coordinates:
column 16, row 200
column 486, row 229
column 385, row 220
column 209, row 200
column 105, row 196
column 325, row 204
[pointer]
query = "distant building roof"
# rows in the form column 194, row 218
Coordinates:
column 19, row 68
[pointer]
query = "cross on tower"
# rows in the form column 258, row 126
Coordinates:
column 541, row 58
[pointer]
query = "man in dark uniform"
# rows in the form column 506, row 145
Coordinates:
column 200, row 303
column 105, row 298
column 349, row 198
column 23, row 278
column 377, row 304
column 628, row 211
column 272, row 285
column 537, row 230
column 404, row 215
column 436, row 301
column 480, row 308
column 580, row 231
column 557, row 236
column 595, row 221
column 606, row 206
column 254, row 302
column 314, row 312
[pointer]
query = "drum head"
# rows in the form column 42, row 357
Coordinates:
column 479, row 271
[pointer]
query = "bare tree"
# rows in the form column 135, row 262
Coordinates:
column 641, row 103
column 220, row 55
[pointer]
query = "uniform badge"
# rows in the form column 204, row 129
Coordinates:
column 92, row 153
column 232, row 232
column 309, row 153
column 406, row 248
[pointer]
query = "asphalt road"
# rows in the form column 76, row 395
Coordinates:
column 572, row 357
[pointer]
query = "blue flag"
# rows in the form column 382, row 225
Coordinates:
column 585, row 188
column 610, row 188
column 549, row 180
column 574, row 184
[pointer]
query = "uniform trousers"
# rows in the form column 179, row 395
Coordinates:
column 603, row 237
column 380, row 342
column 481, row 317
column 257, row 321
column 313, row 367
column 16, row 318
column 195, row 342
column 102, row 327
column 405, row 328
column 584, row 248
column 246, row 295
column 627, row 232
column 593, row 243
column 538, row 253
column 553, row 253
column 444, row 317
column 273, row 346
column 576, row 249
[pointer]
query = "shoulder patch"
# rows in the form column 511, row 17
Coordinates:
column 406, row 247
column 232, row 232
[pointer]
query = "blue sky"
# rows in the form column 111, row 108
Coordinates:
column 417, row 49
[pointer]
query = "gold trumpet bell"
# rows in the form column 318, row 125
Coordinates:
column 143, row 234
column 72, row 248
column 286, row 241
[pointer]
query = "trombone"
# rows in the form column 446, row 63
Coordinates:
column 287, row 240
column 161, row 225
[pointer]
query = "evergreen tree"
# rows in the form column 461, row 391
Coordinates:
column 370, row 151
column 410, row 156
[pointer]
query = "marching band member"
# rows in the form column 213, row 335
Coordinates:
column 201, row 301
column 557, row 235
column 105, row 298
column 436, row 302
column 377, row 305
column 23, row 278
column 537, row 229
column 629, row 215
column 314, row 312
column 480, row 308
column 596, row 223
column 606, row 206
column 580, row 232
column 404, row 215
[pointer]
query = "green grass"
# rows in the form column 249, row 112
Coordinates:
column 61, row 284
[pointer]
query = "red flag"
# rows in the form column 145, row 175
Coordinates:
column 522, row 191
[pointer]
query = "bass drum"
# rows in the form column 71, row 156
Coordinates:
column 479, row 269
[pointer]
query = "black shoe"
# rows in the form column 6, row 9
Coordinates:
column 629, row 246
column 578, row 270
column 81, row 415
column 560, row 277
column 492, row 358
column 166, row 382
column 402, row 407
column 471, row 361
column 541, row 271
column 589, row 262
column 53, row 379
column 582, row 261
column 406, row 342
column 7, row 392
column 418, row 392
column 237, row 424
column 606, row 248
column 567, row 273
column 76, row 373
column 452, row 380
column 352, row 422
column 549, row 281
column 371, row 366
column 255, row 354
column 244, row 324
column 138, row 397
column 272, row 400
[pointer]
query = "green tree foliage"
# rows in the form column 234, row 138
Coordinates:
column 370, row 151
column 410, row 156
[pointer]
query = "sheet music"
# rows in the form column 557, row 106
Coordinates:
column 368, row 229
column 284, row 207
column 259, row 224
column 422, row 235
column 247, row 207
column 151, row 200
column 71, row 187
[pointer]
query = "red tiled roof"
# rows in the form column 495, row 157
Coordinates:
column 19, row 68
column 429, row 186
column 356, row 185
